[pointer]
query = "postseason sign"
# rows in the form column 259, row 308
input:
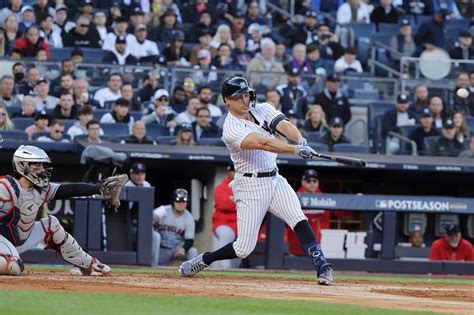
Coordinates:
column 387, row 203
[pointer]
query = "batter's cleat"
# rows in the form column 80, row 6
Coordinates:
column 325, row 277
column 96, row 269
column 191, row 267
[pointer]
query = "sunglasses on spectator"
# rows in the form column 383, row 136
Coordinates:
column 84, row 25
column 58, row 131
column 311, row 180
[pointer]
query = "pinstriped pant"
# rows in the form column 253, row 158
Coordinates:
column 254, row 197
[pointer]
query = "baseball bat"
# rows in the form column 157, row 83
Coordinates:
column 342, row 159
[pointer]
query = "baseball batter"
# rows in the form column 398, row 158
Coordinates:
column 22, row 196
column 249, row 135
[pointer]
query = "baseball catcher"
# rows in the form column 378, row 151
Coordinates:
column 21, row 197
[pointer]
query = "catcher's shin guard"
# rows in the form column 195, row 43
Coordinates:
column 61, row 241
column 10, row 265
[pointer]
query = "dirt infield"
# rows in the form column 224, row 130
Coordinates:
column 446, row 298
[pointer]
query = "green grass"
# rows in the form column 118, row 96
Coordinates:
column 288, row 275
column 49, row 303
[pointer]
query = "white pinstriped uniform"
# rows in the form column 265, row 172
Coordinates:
column 255, row 196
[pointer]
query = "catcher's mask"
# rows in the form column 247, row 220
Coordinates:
column 24, row 156
column 235, row 87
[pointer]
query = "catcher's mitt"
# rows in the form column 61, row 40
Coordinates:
column 111, row 187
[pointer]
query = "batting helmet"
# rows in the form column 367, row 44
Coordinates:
column 237, row 86
column 180, row 194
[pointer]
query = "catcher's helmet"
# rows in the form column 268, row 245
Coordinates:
column 237, row 86
column 27, row 154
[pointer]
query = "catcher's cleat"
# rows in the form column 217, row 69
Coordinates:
column 191, row 267
column 325, row 277
column 96, row 268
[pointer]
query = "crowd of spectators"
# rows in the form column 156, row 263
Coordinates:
column 295, row 65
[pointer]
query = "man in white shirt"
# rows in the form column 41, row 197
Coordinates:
column 189, row 115
column 84, row 115
column 56, row 132
column 119, row 115
column 138, row 176
column 43, row 100
column 120, row 29
column 348, row 62
column 142, row 48
column 112, row 91
column 205, row 97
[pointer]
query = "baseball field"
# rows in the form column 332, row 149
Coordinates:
column 51, row 290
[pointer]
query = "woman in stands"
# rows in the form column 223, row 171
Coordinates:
column 5, row 122
column 30, row 43
column 28, row 108
column 462, row 131
column 11, row 33
column 315, row 120
column 223, row 35
column 185, row 135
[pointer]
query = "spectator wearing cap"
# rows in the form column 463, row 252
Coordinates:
column 237, row 25
column 142, row 48
column 137, row 16
column 421, row 101
column 254, row 14
column 189, row 115
column 465, row 105
column 468, row 153
column 333, row 102
column 84, row 115
column 436, row 105
column 56, row 132
column 66, row 109
column 430, row 34
column 263, row 63
column 119, row 31
column 204, row 38
column 100, row 23
column 112, row 91
column 451, row 246
column 14, row 8
column 175, row 53
column 224, row 218
column 317, row 219
column 335, row 134
column 204, row 72
column 32, row 77
column 329, row 45
column 348, row 62
column 273, row 97
column 465, row 50
column 27, row 18
column 120, row 54
column 61, row 23
column 168, row 27
column 240, row 54
column 28, row 109
column 447, row 144
column 31, row 42
column 86, row 7
column 205, row 97
column 7, row 86
column 119, row 115
column 42, row 10
column 315, row 120
column 426, row 129
column 293, row 96
column 161, row 113
column 42, row 99
column 397, row 117
column 385, row 13
column 203, row 127
column 82, row 35
column 138, row 135
column 40, row 125
column 174, row 226
column 353, row 11
column 52, row 37
column 185, row 135
column 138, row 176
column 403, row 42
column 301, row 32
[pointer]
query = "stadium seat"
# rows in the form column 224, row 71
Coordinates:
column 347, row 147
column 470, row 123
column 420, row 19
column 457, row 24
column 429, row 145
column 12, row 110
column 118, row 139
column 137, row 115
column 155, row 130
column 366, row 94
column 99, row 112
column 58, row 54
column 165, row 139
column 213, row 142
column 363, row 30
column 93, row 55
column 319, row 147
column 113, row 129
column 109, row 105
column 313, row 136
column 388, row 29
column 22, row 123
column 363, row 46
column 13, row 135
column 68, row 123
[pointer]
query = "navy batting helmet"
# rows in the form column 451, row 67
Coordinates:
column 235, row 87
column 180, row 194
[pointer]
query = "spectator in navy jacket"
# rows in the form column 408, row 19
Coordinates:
column 120, row 54
column 431, row 33
column 385, row 13
column 203, row 127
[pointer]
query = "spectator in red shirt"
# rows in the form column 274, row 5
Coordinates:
column 317, row 219
column 224, row 220
column 451, row 246
column 31, row 43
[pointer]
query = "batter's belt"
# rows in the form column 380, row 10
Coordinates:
column 264, row 174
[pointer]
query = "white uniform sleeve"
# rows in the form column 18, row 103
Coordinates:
column 190, row 227
column 269, row 112
column 51, row 192
column 158, row 213
column 234, row 133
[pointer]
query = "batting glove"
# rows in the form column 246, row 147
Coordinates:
column 303, row 142
column 305, row 151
